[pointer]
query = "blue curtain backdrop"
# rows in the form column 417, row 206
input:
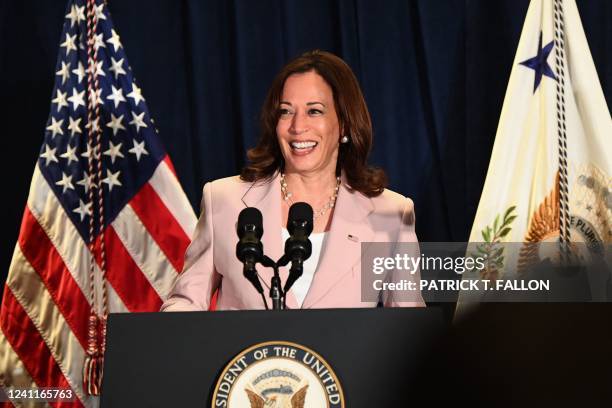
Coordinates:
column 434, row 74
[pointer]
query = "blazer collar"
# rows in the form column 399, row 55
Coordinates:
column 262, row 190
column 349, row 227
column 355, row 206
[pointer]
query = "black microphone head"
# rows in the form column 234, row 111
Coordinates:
column 249, row 248
column 252, row 217
column 300, row 214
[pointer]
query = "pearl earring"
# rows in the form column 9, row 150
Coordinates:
column 344, row 139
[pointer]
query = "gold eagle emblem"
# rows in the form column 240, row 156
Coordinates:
column 297, row 400
column 544, row 226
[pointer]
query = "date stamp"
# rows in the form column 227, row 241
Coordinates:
column 49, row 394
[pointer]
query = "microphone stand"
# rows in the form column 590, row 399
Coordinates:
column 276, row 291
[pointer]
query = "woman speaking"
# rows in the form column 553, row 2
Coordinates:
column 315, row 139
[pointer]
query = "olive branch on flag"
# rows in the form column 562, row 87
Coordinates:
column 491, row 249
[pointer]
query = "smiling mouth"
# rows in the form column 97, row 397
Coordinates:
column 303, row 146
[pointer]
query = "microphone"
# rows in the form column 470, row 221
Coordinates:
column 249, row 248
column 297, row 247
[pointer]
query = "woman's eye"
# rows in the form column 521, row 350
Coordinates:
column 314, row 111
column 284, row 111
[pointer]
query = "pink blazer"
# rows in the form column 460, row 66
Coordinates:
column 211, row 263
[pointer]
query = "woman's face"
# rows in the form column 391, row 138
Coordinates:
column 308, row 130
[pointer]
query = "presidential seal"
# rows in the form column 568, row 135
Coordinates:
column 278, row 374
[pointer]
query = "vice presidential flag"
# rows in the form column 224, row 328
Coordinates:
column 102, row 176
column 549, row 177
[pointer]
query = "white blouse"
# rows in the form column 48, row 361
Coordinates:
column 301, row 286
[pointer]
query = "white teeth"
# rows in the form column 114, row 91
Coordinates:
column 303, row 145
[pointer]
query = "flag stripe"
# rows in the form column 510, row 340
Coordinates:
column 61, row 341
column 170, row 166
column 115, row 303
column 47, row 262
column 31, row 348
column 122, row 272
column 170, row 192
column 14, row 372
column 161, row 225
column 152, row 261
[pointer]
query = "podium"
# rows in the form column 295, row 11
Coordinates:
column 177, row 359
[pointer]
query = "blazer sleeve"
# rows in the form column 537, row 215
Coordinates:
column 195, row 286
column 406, row 233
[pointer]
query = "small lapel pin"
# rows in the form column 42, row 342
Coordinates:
column 353, row 238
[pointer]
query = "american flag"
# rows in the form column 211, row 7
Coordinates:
column 147, row 217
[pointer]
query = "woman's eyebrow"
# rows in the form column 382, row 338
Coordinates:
column 307, row 103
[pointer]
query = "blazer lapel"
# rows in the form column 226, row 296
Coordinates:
column 266, row 197
column 349, row 228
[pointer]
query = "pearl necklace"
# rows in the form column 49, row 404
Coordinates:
column 317, row 213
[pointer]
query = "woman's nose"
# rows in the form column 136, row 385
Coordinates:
column 299, row 124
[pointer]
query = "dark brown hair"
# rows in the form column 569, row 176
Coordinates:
column 353, row 117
